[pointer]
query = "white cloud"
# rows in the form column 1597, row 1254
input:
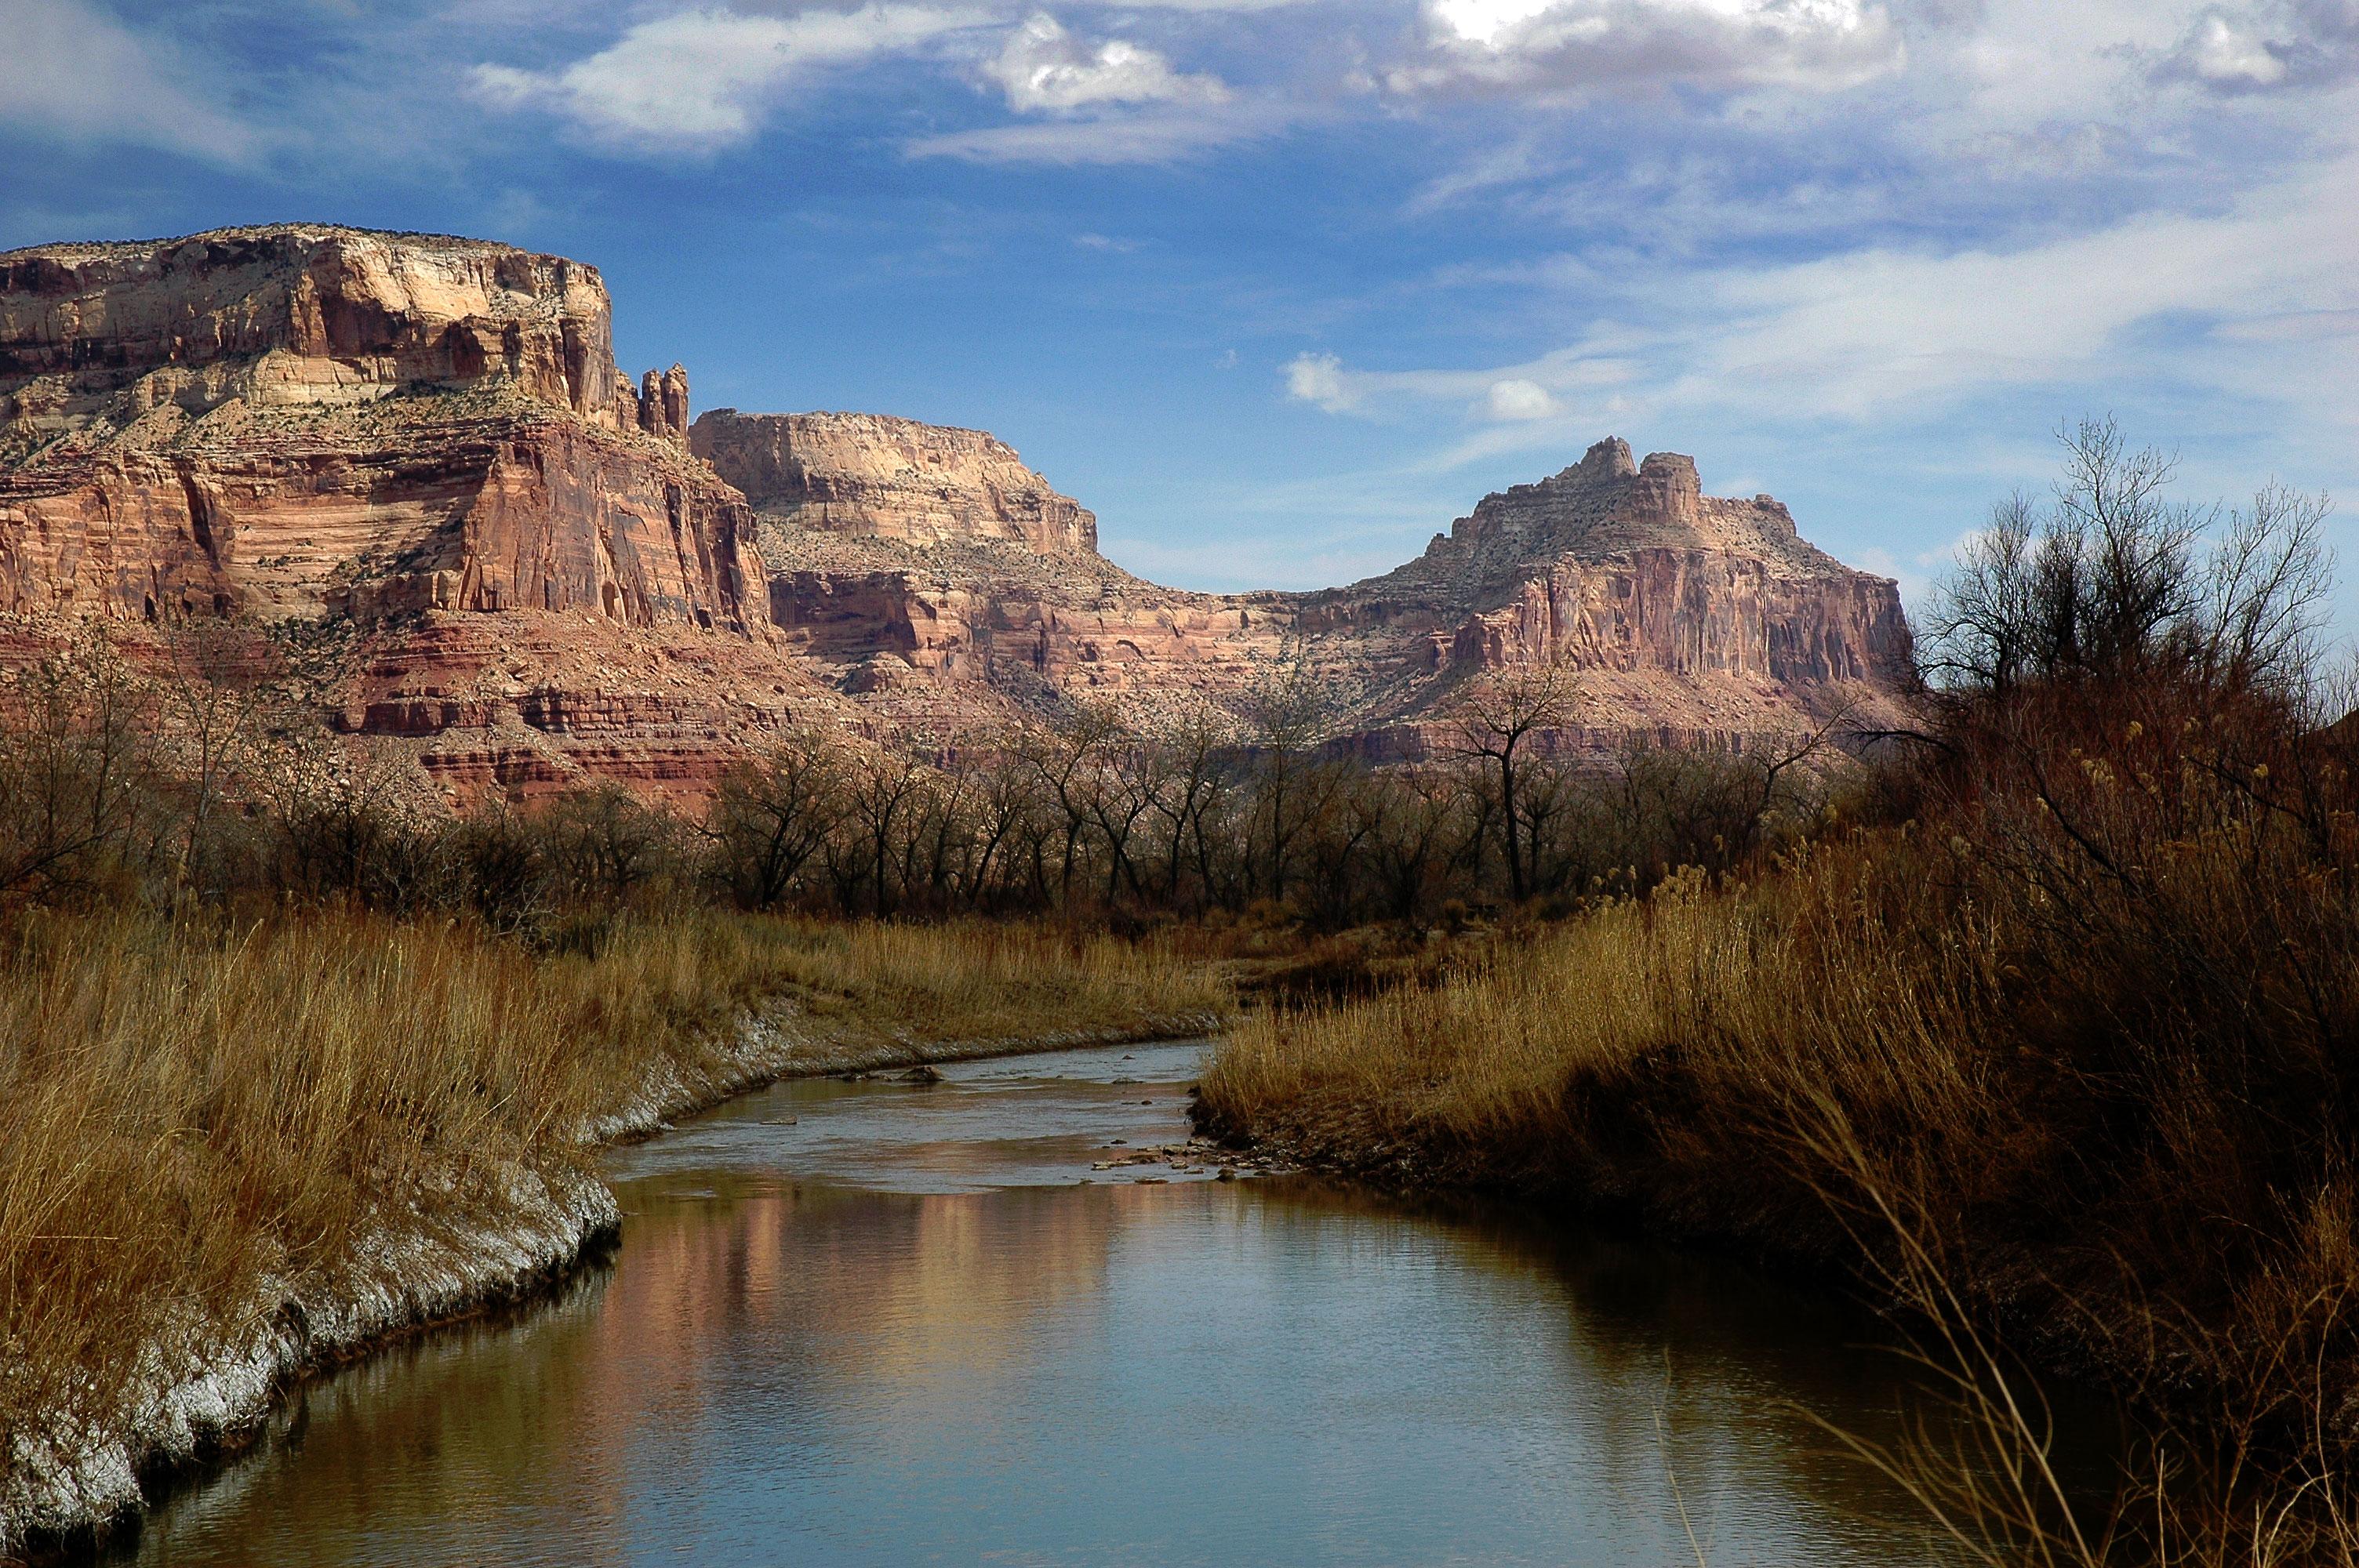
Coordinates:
column 2251, row 309
column 74, row 74
column 1043, row 67
column 1516, row 398
column 2267, row 45
column 2222, row 53
column 697, row 80
column 1555, row 47
column 1852, row 334
column 1321, row 379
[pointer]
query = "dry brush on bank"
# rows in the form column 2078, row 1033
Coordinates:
column 235, row 1148
column 2062, row 1042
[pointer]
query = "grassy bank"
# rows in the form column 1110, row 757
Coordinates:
column 222, row 1133
column 2129, row 1152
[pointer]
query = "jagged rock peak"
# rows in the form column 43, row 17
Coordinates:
column 1609, row 459
column 1607, row 502
column 339, row 314
column 889, row 477
column 663, row 405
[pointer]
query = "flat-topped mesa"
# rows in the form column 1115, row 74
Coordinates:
column 887, row 478
column 302, row 419
column 296, row 313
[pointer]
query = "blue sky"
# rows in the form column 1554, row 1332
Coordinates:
column 1281, row 286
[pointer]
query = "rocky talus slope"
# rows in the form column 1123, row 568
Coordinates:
column 545, row 573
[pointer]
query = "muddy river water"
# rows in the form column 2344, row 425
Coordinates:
column 883, row 1323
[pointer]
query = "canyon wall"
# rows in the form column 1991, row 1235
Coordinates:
column 288, row 421
column 1690, row 619
column 391, row 430
column 548, row 573
column 877, row 477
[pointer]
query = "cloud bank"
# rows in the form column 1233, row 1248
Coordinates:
column 73, row 73
column 1573, row 46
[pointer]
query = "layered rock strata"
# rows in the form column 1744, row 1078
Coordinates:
column 871, row 476
column 402, row 431
column 547, row 574
column 1690, row 620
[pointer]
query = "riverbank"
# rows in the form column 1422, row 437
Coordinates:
column 2094, row 1110
column 240, row 1154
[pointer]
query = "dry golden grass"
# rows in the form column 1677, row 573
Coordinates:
column 192, row 1108
column 2098, row 1108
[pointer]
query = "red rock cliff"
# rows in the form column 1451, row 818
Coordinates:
column 877, row 477
column 293, row 419
column 429, row 439
column 1691, row 617
column 426, row 437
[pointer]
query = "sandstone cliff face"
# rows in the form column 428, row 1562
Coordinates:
column 1691, row 618
column 552, row 575
column 986, row 617
column 1629, row 569
column 291, row 421
column 293, row 314
column 297, row 422
column 877, row 477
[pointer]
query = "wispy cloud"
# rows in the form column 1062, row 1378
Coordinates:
column 73, row 73
column 1155, row 136
column 2257, row 302
column 697, row 80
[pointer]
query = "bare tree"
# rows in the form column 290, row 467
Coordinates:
column 1496, row 715
column 773, row 811
column 215, row 691
column 75, row 765
column 2114, row 578
column 883, row 785
column 1287, row 709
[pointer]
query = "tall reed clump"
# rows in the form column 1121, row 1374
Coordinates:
column 2060, row 1046
column 197, row 1106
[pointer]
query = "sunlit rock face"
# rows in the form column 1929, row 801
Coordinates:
column 872, row 476
column 295, row 420
column 1692, row 619
column 403, row 433
column 548, row 573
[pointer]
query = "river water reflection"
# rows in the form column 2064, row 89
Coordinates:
column 877, row 1322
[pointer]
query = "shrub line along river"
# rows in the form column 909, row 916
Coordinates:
column 881, row 1321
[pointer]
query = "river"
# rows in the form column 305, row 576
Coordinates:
column 885, row 1322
